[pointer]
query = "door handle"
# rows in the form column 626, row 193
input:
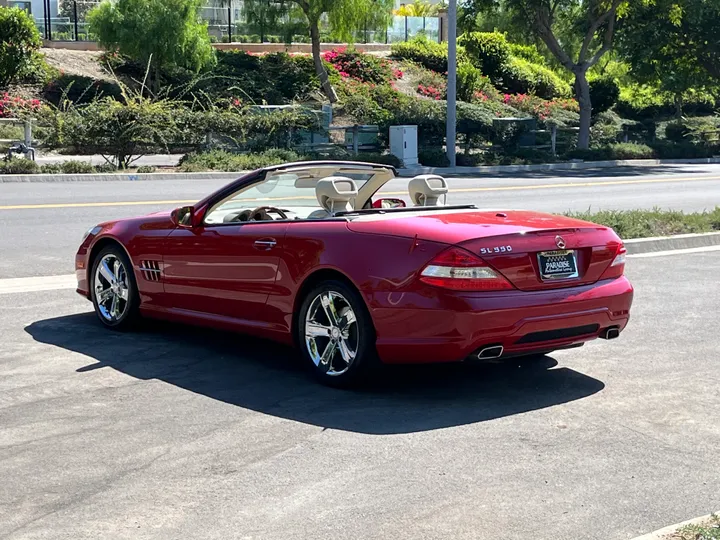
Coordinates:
column 265, row 243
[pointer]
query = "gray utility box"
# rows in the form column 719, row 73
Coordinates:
column 404, row 144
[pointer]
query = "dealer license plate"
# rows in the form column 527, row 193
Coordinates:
column 560, row 264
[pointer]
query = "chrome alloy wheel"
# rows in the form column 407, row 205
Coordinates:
column 111, row 288
column 331, row 333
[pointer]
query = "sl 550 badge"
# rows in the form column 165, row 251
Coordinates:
column 495, row 249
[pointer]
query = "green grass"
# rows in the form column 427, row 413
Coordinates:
column 656, row 222
column 710, row 531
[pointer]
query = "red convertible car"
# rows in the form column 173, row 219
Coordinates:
column 308, row 254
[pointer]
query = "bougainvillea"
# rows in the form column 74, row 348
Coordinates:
column 430, row 91
column 362, row 67
column 539, row 107
column 12, row 106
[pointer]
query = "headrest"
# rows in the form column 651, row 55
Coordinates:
column 334, row 193
column 426, row 189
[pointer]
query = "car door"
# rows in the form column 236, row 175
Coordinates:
column 224, row 270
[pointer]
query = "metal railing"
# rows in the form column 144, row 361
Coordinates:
column 351, row 140
column 19, row 146
column 229, row 21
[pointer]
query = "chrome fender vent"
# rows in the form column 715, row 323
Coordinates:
column 150, row 270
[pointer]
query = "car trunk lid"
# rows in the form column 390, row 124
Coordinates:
column 534, row 251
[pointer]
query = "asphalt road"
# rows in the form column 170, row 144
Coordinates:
column 41, row 241
column 172, row 433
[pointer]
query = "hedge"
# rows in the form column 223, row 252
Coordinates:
column 427, row 53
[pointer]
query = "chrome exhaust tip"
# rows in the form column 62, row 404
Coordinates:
column 488, row 353
column 610, row 333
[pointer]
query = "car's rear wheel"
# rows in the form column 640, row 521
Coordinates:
column 114, row 289
column 336, row 335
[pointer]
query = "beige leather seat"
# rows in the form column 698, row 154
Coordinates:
column 426, row 190
column 335, row 194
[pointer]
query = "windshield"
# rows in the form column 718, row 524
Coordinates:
column 287, row 191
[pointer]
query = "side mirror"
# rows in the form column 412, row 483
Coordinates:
column 183, row 217
column 389, row 203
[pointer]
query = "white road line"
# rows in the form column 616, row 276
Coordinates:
column 675, row 252
column 36, row 284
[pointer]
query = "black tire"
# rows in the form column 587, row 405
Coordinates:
column 130, row 307
column 361, row 337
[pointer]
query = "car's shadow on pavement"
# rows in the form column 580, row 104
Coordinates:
column 268, row 378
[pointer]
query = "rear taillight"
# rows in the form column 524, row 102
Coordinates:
column 617, row 266
column 460, row 270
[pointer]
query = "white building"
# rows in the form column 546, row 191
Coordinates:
column 34, row 7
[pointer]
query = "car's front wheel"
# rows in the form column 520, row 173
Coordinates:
column 336, row 335
column 113, row 288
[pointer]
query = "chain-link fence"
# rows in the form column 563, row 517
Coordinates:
column 237, row 21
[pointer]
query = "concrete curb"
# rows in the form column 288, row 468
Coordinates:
column 457, row 171
column 117, row 177
column 665, row 532
column 564, row 166
column 667, row 243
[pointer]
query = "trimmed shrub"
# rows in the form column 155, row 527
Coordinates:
column 433, row 157
column 146, row 169
column 19, row 43
column 684, row 150
column 79, row 89
column 18, row 166
column 248, row 128
column 613, row 152
column 489, row 51
column 521, row 77
column 659, row 150
column 68, row 167
column 604, row 93
column 607, row 128
column 631, row 151
column 427, row 53
column 381, row 159
column 469, row 81
column 528, row 52
column 220, row 160
column 107, row 126
column 77, row 167
column 275, row 78
column 677, row 132
column 696, row 130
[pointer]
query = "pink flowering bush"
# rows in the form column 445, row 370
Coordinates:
column 431, row 91
column 351, row 64
column 542, row 108
column 14, row 106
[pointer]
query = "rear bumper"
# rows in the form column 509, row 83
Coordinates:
column 446, row 327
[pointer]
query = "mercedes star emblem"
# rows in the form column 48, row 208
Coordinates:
column 559, row 242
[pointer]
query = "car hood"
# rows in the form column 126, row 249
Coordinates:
column 455, row 226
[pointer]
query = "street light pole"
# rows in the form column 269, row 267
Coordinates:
column 450, row 135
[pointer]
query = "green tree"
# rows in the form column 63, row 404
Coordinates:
column 418, row 8
column 158, row 33
column 345, row 16
column 578, row 33
column 19, row 43
column 673, row 44
column 67, row 9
